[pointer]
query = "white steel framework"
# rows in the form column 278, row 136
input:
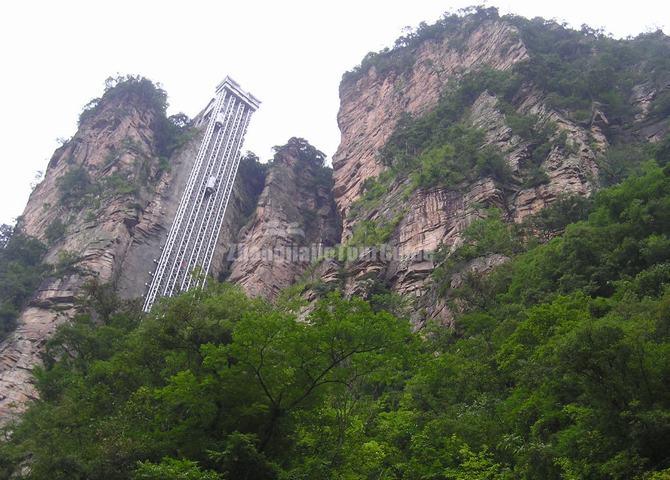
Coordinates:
column 187, row 255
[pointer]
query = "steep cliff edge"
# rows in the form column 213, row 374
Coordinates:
column 295, row 215
column 411, row 82
column 476, row 112
column 104, row 208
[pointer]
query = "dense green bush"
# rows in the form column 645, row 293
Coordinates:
column 171, row 133
column 622, row 160
column 557, row 369
column 21, row 271
column 55, row 230
column 75, row 186
column 490, row 234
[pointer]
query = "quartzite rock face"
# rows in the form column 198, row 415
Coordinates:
column 370, row 108
column 117, row 140
column 113, row 236
column 372, row 105
column 295, row 214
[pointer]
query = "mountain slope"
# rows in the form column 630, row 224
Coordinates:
column 103, row 209
column 484, row 111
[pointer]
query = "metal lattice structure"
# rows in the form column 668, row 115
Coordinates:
column 187, row 255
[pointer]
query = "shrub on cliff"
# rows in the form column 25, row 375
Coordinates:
column 55, row 230
column 21, row 271
column 131, row 89
column 74, row 186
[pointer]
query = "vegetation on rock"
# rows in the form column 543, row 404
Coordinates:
column 557, row 367
column 130, row 89
column 132, row 92
column 401, row 57
column 440, row 147
column 581, row 70
column 21, row 271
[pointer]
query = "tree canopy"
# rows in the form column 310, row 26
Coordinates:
column 557, row 369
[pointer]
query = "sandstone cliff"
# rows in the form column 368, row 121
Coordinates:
column 295, row 215
column 372, row 104
column 410, row 80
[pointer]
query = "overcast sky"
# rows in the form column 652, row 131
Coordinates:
column 55, row 56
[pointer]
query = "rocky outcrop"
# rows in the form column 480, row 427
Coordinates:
column 571, row 168
column 648, row 126
column 295, row 216
column 118, row 140
column 372, row 104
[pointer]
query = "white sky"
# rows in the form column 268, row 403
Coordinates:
column 55, row 56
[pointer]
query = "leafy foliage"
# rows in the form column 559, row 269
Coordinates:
column 55, row 230
column 616, row 242
column 209, row 372
column 622, row 160
column 21, row 271
column 558, row 369
column 171, row 468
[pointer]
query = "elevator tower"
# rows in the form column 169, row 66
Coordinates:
column 187, row 255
